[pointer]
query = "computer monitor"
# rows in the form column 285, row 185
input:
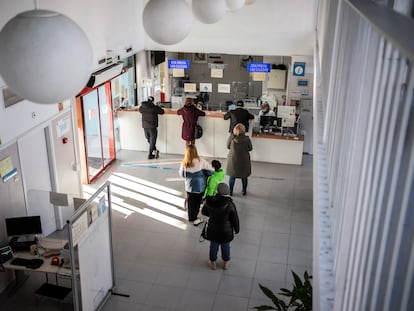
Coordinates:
column 19, row 226
column 268, row 121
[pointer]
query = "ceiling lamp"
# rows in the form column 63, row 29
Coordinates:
column 167, row 21
column 45, row 57
column 234, row 5
column 209, row 12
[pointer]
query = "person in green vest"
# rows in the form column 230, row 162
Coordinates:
column 214, row 179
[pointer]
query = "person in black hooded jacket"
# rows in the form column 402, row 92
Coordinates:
column 150, row 113
column 223, row 222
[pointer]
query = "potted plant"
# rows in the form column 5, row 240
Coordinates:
column 300, row 297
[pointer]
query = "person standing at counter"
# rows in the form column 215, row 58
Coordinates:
column 195, row 171
column 238, row 159
column 150, row 114
column 190, row 115
column 239, row 115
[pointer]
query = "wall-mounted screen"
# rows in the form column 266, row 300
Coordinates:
column 23, row 225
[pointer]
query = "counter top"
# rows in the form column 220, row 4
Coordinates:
column 277, row 136
column 210, row 114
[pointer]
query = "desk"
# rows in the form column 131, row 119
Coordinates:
column 47, row 289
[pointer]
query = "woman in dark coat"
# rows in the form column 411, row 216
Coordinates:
column 238, row 159
column 223, row 222
column 190, row 114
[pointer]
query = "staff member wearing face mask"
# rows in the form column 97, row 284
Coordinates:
column 266, row 110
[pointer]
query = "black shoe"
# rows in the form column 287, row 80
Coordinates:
column 157, row 154
column 244, row 192
column 151, row 156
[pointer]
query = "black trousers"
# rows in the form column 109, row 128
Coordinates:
column 151, row 136
column 193, row 204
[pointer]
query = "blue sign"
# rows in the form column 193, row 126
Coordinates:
column 258, row 67
column 299, row 69
column 178, row 64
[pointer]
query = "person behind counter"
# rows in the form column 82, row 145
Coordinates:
column 265, row 111
column 190, row 115
column 238, row 115
column 150, row 114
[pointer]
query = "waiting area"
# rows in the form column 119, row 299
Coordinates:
column 160, row 263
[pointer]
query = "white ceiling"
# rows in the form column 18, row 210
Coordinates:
column 267, row 27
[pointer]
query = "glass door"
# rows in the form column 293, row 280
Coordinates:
column 98, row 131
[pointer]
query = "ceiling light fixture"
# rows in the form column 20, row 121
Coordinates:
column 45, row 57
column 209, row 12
column 167, row 21
column 234, row 5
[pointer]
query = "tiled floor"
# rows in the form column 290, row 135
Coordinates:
column 159, row 261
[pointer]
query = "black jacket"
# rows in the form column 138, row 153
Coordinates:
column 223, row 220
column 150, row 114
column 238, row 115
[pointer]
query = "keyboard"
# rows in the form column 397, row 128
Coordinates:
column 28, row 263
column 17, row 261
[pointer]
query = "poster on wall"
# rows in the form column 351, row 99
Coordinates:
column 190, row 87
column 216, row 73
column 259, row 76
column 7, row 170
column 178, row 73
column 223, row 88
column 206, row 87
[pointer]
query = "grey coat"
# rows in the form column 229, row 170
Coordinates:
column 238, row 159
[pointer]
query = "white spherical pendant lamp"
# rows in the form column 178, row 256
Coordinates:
column 209, row 12
column 167, row 21
column 45, row 57
column 234, row 5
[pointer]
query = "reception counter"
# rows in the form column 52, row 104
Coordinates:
column 266, row 147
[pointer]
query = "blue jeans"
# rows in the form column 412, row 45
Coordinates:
column 225, row 250
column 232, row 180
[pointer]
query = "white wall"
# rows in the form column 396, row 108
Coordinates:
column 109, row 24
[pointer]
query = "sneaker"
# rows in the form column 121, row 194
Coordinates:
column 157, row 154
column 212, row 265
column 198, row 221
column 226, row 265
column 151, row 156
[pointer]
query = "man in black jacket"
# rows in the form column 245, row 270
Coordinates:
column 238, row 115
column 150, row 114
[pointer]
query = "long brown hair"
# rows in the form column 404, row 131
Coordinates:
column 189, row 155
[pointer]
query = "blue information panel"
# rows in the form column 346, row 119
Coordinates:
column 258, row 67
column 178, row 64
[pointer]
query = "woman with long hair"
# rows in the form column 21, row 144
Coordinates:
column 190, row 114
column 195, row 170
column 238, row 159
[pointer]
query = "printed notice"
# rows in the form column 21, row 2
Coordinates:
column 58, row 199
column 206, row 87
column 6, row 166
column 216, row 73
column 79, row 227
column 178, row 73
column 259, row 76
column 223, row 88
column 63, row 126
column 190, row 87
